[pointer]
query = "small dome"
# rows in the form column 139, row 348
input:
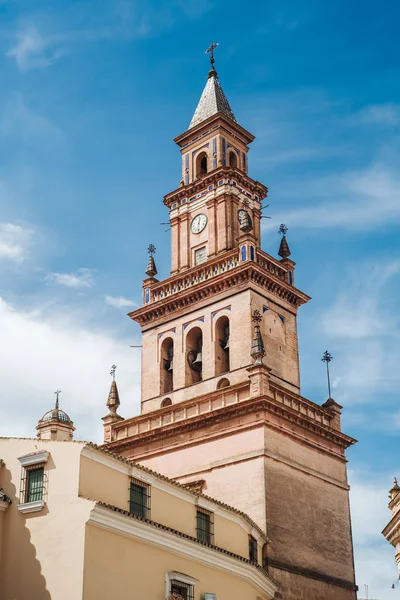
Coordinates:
column 58, row 414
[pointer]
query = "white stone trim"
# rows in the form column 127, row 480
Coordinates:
column 179, row 577
column 144, row 532
column 167, row 486
column 30, row 507
column 34, row 459
column 4, row 505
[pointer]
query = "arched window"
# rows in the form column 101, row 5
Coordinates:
column 232, row 159
column 166, row 402
column 194, row 356
column 167, row 366
column 222, row 346
column 201, row 164
column 223, row 383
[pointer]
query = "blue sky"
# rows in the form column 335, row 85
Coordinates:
column 92, row 94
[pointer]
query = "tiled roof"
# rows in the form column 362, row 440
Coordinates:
column 212, row 101
column 186, row 536
column 176, row 483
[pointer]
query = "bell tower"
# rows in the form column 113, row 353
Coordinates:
column 221, row 407
column 196, row 324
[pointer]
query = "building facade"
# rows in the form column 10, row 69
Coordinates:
column 77, row 521
column 392, row 529
column 222, row 410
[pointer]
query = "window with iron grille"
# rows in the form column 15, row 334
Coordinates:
column 33, row 481
column 139, row 499
column 204, row 526
column 253, row 549
column 185, row 590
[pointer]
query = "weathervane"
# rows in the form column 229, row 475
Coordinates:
column 210, row 51
column 151, row 249
column 57, row 393
column 326, row 358
column 283, row 229
column 112, row 372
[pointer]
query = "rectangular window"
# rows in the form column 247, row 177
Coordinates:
column 253, row 549
column 139, row 500
column 205, row 527
column 200, row 256
column 34, row 484
column 185, row 590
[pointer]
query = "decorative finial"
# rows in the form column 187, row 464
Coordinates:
column 210, row 51
column 151, row 269
column 284, row 250
column 283, row 229
column 112, row 372
column 326, row 358
column 57, row 393
column 256, row 317
column 257, row 343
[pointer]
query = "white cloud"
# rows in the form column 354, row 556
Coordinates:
column 368, row 199
column 32, row 50
column 14, row 241
column 379, row 114
column 40, row 354
column 83, row 278
column 374, row 556
column 119, row 302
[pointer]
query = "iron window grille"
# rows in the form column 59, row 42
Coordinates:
column 33, row 484
column 185, row 590
column 139, row 499
column 205, row 526
column 253, row 550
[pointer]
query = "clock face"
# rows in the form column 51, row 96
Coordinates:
column 198, row 223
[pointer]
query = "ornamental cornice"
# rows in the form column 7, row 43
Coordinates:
column 213, row 177
column 253, row 405
column 245, row 273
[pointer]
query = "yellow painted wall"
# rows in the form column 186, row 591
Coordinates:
column 105, row 484
column 138, row 571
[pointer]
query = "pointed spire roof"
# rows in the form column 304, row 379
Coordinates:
column 113, row 397
column 151, row 269
column 284, row 250
column 212, row 101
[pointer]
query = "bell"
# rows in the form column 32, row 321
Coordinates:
column 226, row 345
column 198, row 358
column 171, row 365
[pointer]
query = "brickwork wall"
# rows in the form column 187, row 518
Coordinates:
column 298, row 587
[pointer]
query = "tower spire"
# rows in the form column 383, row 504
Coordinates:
column 257, row 344
column 213, row 99
column 151, row 269
column 284, row 250
column 113, row 397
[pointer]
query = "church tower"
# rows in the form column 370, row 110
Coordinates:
column 221, row 408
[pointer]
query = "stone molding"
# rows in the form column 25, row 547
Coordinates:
column 31, row 507
column 36, row 458
column 146, row 533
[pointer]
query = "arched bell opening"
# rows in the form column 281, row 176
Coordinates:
column 194, row 356
column 222, row 343
column 232, row 159
column 201, row 164
column 167, row 366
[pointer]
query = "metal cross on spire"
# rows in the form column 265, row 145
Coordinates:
column 112, row 372
column 57, row 393
column 283, row 229
column 326, row 358
column 210, row 51
column 151, row 249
